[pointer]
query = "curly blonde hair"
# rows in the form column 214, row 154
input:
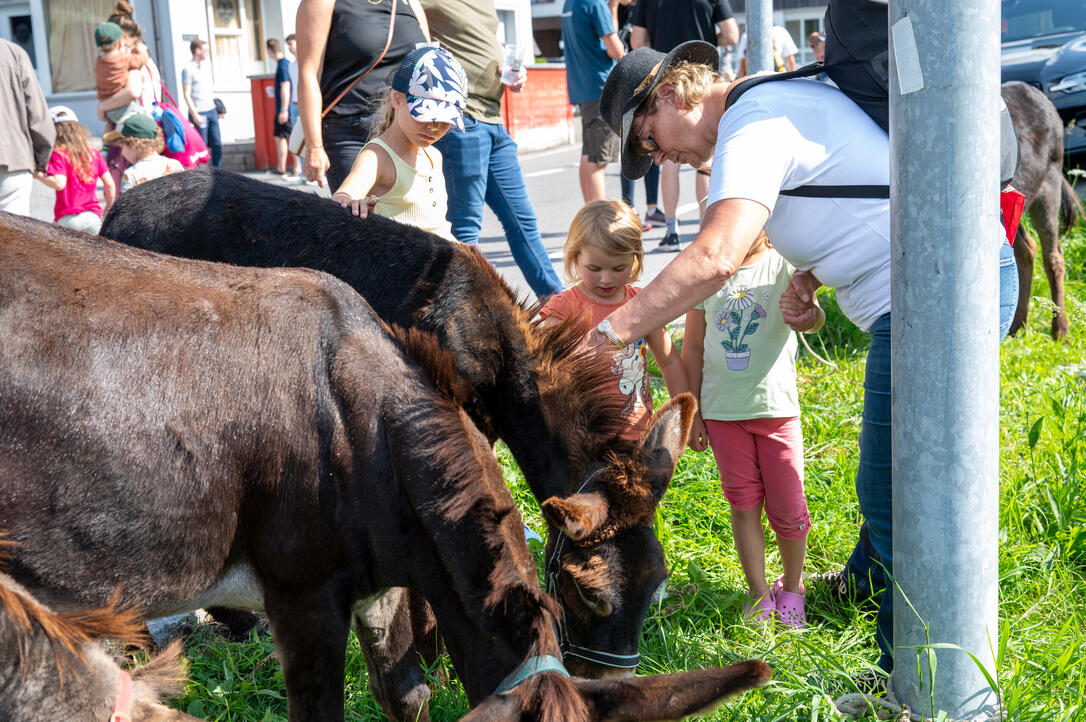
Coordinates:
column 611, row 226
column 691, row 81
column 144, row 145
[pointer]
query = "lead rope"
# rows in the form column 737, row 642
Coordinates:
column 553, row 569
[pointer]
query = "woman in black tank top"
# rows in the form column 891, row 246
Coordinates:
column 340, row 39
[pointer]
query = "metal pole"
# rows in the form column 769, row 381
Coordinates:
column 944, row 130
column 759, row 44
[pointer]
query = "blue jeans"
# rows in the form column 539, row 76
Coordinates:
column 652, row 185
column 344, row 136
column 481, row 166
column 874, row 481
column 212, row 137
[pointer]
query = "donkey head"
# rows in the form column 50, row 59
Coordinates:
column 605, row 562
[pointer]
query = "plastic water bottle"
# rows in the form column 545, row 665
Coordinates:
column 514, row 63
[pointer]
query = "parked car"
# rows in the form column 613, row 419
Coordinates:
column 1044, row 44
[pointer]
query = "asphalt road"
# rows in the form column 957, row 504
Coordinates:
column 553, row 186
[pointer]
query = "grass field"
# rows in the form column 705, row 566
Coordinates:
column 1041, row 656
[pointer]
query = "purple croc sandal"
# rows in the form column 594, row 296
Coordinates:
column 789, row 606
column 760, row 610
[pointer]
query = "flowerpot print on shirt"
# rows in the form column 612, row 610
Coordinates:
column 738, row 320
column 629, row 365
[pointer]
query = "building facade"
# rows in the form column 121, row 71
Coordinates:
column 59, row 36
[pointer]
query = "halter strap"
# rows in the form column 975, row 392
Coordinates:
column 609, row 659
column 530, row 668
column 121, row 706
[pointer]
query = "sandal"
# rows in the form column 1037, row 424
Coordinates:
column 790, row 606
column 760, row 610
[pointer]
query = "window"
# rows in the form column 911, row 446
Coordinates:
column 237, row 40
column 70, row 28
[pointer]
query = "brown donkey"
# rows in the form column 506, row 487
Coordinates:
column 199, row 434
column 52, row 667
column 1050, row 201
column 526, row 385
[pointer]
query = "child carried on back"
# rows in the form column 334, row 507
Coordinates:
column 398, row 168
column 116, row 69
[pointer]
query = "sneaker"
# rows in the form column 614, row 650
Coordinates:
column 655, row 217
column 841, row 587
column 670, row 244
column 646, row 227
column 759, row 610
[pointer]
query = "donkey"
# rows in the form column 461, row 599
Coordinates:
column 53, row 668
column 199, row 434
column 1051, row 203
column 526, row 385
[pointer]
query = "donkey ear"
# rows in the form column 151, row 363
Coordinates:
column 664, row 440
column 576, row 516
column 669, row 696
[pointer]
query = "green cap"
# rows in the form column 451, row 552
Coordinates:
column 139, row 126
column 107, row 33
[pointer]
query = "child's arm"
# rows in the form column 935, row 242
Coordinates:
column 693, row 356
column 57, row 182
column 370, row 169
column 109, row 190
column 125, row 95
column 675, row 376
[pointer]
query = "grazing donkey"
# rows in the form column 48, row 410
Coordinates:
column 526, row 385
column 199, row 434
column 1050, row 201
column 52, row 667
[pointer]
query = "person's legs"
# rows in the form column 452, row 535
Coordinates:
column 213, row 136
column 508, row 198
column 465, row 155
column 1008, row 287
column 591, row 176
column 652, row 185
column 669, row 190
column 281, row 153
column 874, row 481
column 736, row 454
column 87, row 221
column 296, row 160
column 627, row 186
column 779, row 445
column 599, row 146
column 15, row 190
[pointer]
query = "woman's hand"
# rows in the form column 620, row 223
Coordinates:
column 316, row 163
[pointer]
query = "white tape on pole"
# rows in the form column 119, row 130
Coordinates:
column 909, row 75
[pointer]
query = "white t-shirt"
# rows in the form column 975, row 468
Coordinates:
column 791, row 133
column 154, row 166
column 782, row 44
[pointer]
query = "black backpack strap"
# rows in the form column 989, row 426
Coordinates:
column 821, row 191
column 746, row 84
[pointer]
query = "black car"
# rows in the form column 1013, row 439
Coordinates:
column 1044, row 44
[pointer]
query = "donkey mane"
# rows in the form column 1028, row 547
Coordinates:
column 70, row 631
column 438, row 363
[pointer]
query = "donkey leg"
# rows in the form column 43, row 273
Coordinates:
column 1025, row 251
column 383, row 627
column 310, row 635
column 1045, row 214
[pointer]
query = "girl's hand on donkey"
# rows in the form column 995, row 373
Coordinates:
column 360, row 207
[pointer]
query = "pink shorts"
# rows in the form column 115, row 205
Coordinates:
column 762, row 459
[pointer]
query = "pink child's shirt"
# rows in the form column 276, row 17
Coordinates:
column 631, row 383
column 77, row 195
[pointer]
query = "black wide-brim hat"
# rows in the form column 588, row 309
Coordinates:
column 622, row 96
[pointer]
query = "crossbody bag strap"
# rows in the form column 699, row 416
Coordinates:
column 388, row 44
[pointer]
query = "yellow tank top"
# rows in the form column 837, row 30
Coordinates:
column 417, row 198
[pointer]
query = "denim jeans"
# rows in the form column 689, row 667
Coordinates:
column 344, row 136
column 212, row 137
column 481, row 166
column 874, row 484
column 652, row 186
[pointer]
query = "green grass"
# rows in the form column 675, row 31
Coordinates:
column 1041, row 662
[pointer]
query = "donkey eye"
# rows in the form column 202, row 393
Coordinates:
column 600, row 606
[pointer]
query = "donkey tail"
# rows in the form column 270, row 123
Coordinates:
column 1071, row 211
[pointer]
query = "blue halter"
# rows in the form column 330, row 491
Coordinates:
column 531, row 667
